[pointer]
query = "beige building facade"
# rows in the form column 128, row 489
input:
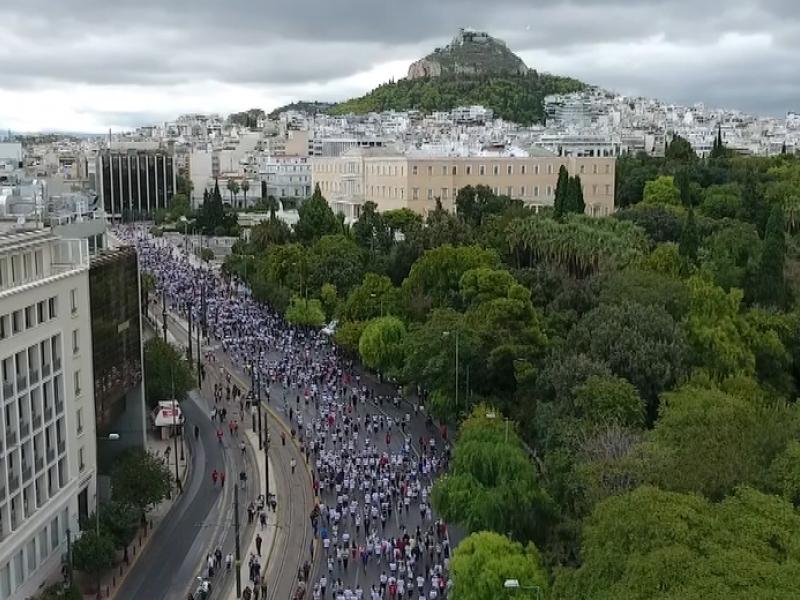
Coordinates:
column 397, row 181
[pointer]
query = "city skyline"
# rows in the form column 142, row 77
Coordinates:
column 67, row 70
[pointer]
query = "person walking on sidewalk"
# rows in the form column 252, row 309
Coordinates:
column 222, row 479
column 293, row 464
column 214, row 476
column 258, row 544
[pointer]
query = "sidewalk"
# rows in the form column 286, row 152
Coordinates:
column 268, row 533
column 111, row 581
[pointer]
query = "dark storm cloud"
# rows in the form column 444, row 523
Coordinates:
column 153, row 43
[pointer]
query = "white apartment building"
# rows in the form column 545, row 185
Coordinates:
column 286, row 177
column 47, row 437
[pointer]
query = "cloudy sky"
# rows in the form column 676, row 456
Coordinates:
column 93, row 64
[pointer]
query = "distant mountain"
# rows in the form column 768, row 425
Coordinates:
column 474, row 68
column 311, row 108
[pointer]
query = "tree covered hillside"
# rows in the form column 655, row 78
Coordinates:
column 518, row 98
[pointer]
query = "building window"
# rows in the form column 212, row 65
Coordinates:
column 444, row 170
column 4, row 329
column 582, row 169
column 469, row 169
column 76, row 347
column 415, row 194
column 30, row 317
column 414, row 170
column 81, row 463
column 535, row 169
column 510, row 169
column 482, row 170
column 53, row 306
column 594, row 169
column 495, row 170
column 522, row 191
column 549, row 169
column 79, row 420
column 40, row 311
column 38, row 262
column 594, row 190
column 455, row 170
column 536, row 191
column 608, row 190
column 16, row 321
column 549, row 191
column 445, row 192
column 430, row 170
column 430, row 194
column 77, row 382
column 524, row 169
column 509, row 191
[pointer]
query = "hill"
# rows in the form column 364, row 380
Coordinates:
column 470, row 53
column 311, row 108
column 518, row 98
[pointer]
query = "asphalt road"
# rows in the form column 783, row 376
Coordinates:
column 201, row 519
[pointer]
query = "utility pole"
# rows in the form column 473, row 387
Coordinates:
column 199, row 364
column 164, row 312
column 236, row 530
column 189, row 317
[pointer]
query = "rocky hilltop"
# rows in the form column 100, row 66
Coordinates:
column 470, row 53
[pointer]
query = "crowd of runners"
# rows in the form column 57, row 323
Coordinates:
column 372, row 458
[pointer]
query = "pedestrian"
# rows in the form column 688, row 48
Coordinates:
column 258, row 544
column 293, row 464
column 222, row 479
column 214, row 476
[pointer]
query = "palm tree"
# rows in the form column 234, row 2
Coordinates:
column 245, row 187
column 235, row 192
column 230, row 185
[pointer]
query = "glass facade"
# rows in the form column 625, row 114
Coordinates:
column 135, row 184
column 116, row 333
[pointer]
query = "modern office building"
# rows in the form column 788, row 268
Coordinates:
column 133, row 183
column 117, row 358
column 286, row 176
column 47, row 437
column 394, row 180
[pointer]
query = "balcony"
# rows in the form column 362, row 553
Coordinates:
column 11, row 438
column 69, row 255
column 34, row 375
column 46, row 370
column 24, row 430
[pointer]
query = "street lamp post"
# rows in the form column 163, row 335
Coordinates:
column 164, row 311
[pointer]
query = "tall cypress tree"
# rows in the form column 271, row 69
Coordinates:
column 770, row 287
column 689, row 241
column 562, row 193
column 575, row 202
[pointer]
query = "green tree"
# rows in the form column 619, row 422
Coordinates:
column 607, row 399
column 381, row 345
column 370, row 231
column 770, row 287
column 663, row 191
column 437, row 273
column 476, row 204
column 92, row 553
column 348, row 334
column 334, row 259
column 574, row 202
column 690, row 239
column 166, row 371
column 375, row 297
column 304, row 311
column 491, row 484
column 316, row 219
column 679, row 150
column 721, row 201
column 663, row 545
column 120, row 520
column 731, row 255
column 329, row 298
column 709, row 441
column 483, row 561
column 245, row 189
column 562, row 193
column 784, row 473
column 140, row 479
